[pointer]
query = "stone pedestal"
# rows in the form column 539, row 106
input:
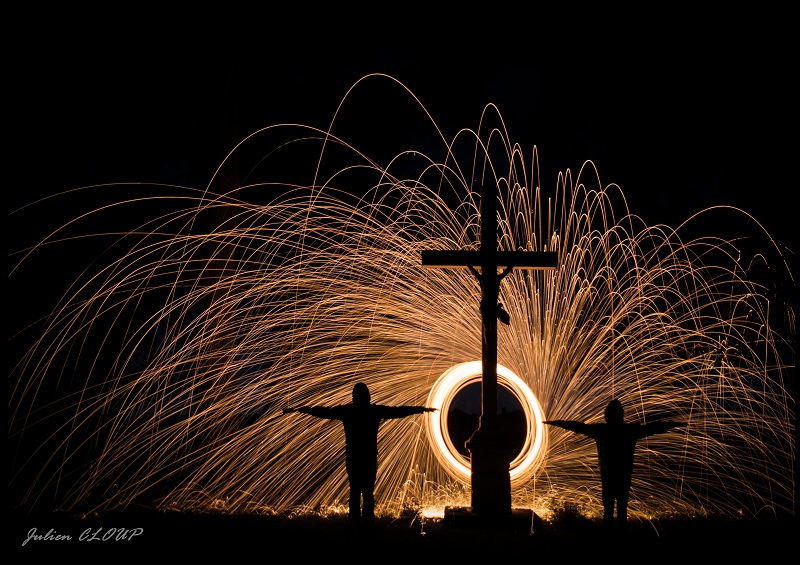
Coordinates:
column 491, row 479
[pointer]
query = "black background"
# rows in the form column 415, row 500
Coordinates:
column 682, row 111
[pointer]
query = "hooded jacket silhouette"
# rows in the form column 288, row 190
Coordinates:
column 616, row 444
column 361, row 421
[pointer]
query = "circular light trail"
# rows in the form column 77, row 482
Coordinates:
column 443, row 393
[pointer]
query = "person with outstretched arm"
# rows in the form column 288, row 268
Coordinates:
column 361, row 420
column 616, row 443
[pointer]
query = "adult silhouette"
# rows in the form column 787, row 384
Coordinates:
column 616, row 443
column 361, row 420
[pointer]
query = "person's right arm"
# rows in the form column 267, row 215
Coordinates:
column 571, row 425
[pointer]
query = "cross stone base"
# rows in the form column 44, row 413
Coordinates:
column 491, row 480
column 520, row 520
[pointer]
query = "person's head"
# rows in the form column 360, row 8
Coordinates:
column 615, row 413
column 360, row 393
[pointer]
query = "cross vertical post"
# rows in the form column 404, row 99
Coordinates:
column 490, row 454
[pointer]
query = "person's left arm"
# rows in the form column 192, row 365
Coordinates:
column 657, row 428
column 390, row 412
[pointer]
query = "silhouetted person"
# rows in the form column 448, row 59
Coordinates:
column 616, row 442
column 361, row 420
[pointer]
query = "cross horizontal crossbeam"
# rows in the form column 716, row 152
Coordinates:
column 516, row 259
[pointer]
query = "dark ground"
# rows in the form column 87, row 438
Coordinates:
column 208, row 537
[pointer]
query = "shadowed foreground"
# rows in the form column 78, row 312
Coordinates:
column 165, row 535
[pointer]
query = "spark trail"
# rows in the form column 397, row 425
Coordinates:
column 161, row 372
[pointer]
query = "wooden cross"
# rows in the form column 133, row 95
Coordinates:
column 491, row 486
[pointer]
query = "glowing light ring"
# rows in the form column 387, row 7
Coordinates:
column 448, row 385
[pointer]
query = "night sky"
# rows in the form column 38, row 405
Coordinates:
column 681, row 119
